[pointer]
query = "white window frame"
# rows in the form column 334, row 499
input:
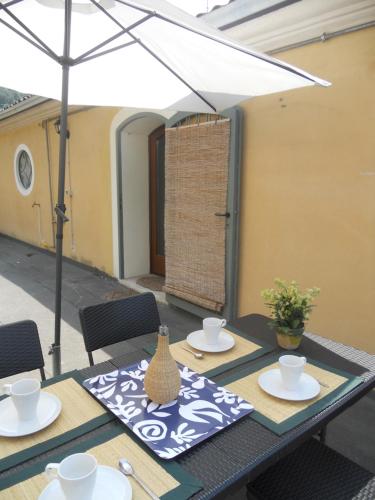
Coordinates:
column 20, row 187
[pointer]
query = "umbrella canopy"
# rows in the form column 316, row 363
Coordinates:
column 168, row 59
column 135, row 53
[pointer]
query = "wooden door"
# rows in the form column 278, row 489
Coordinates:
column 157, row 198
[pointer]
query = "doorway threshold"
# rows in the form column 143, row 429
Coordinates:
column 132, row 283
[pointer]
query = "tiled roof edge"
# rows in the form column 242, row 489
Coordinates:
column 15, row 102
column 21, row 105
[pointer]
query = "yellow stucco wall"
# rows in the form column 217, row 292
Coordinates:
column 18, row 217
column 308, row 189
column 88, row 235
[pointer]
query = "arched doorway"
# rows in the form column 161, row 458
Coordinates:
column 140, row 170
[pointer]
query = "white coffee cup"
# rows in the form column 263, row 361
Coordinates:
column 76, row 474
column 212, row 328
column 25, row 396
column 291, row 368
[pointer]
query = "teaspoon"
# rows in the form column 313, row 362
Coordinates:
column 127, row 469
column 197, row 355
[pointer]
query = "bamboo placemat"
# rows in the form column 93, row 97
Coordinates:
column 167, row 480
column 245, row 349
column 280, row 415
column 80, row 413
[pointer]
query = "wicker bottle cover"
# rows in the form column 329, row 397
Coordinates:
column 162, row 379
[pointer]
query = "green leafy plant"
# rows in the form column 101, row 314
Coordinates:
column 290, row 306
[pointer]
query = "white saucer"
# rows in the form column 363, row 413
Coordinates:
column 110, row 483
column 198, row 341
column 271, row 382
column 49, row 408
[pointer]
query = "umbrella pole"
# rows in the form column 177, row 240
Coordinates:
column 60, row 207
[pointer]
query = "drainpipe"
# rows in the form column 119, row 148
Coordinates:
column 69, row 192
column 35, row 204
column 323, row 37
column 53, row 220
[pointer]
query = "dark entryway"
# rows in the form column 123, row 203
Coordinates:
column 157, row 198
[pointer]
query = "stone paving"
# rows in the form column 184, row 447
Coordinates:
column 27, row 291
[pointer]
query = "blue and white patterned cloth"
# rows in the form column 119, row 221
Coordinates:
column 201, row 410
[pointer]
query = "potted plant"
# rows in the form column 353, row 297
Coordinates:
column 290, row 308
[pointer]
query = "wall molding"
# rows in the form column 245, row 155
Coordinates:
column 295, row 23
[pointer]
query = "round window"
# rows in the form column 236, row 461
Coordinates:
column 24, row 170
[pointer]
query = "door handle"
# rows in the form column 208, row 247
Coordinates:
column 225, row 214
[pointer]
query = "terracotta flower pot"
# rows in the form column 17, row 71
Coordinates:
column 290, row 340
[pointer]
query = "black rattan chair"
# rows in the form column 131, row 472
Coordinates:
column 20, row 349
column 313, row 472
column 118, row 320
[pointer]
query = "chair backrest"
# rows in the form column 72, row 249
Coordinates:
column 117, row 320
column 20, row 349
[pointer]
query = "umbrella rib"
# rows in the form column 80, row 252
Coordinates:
column 29, row 40
column 83, row 57
column 233, row 46
column 12, row 2
column 146, row 11
column 225, row 43
column 43, row 45
column 142, row 44
column 100, row 7
column 118, row 47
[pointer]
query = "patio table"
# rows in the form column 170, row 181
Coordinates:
column 231, row 458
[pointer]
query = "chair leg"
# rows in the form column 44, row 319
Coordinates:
column 42, row 374
column 323, row 434
column 91, row 359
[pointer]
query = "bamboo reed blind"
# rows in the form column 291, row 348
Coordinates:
column 196, row 179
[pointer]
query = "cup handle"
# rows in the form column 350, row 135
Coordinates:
column 304, row 360
column 7, row 389
column 223, row 323
column 51, row 471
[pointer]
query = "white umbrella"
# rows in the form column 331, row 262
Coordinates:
column 145, row 53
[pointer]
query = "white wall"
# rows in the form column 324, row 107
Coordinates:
column 135, row 186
